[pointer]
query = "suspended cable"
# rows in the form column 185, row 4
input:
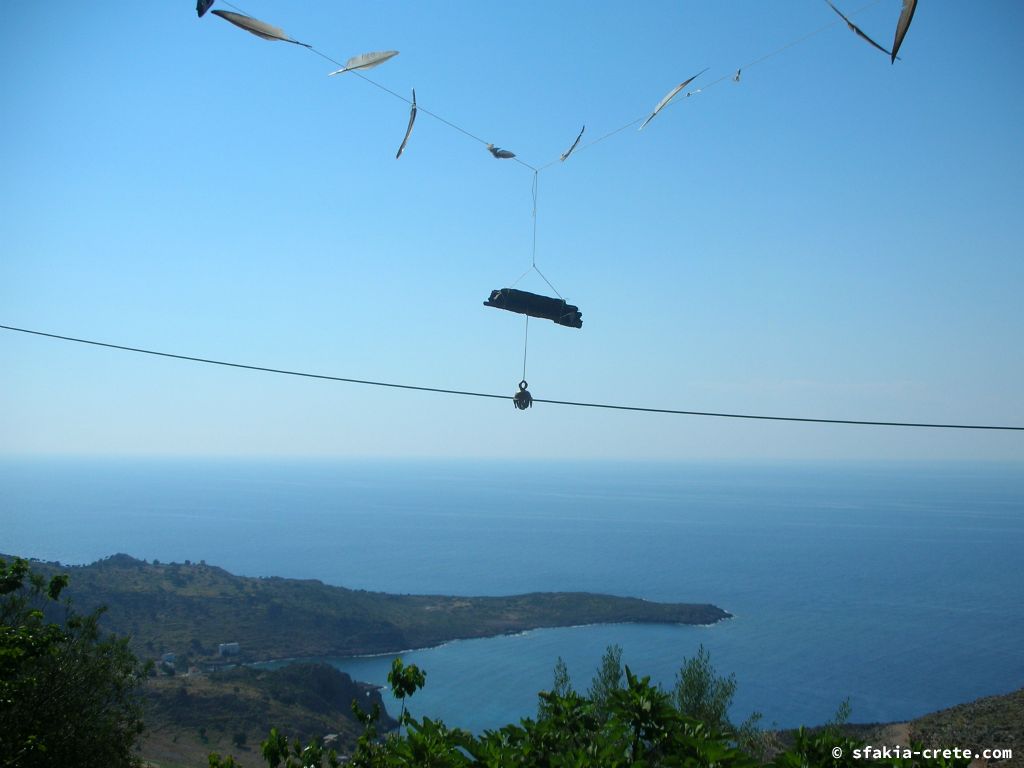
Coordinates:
column 776, row 418
column 604, row 137
column 526, row 342
column 398, row 96
column 533, row 256
column 260, row 368
column 537, row 270
column 748, row 65
column 609, row 406
column 607, row 135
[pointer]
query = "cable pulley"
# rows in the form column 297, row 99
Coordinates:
column 523, row 399
column 610, row 406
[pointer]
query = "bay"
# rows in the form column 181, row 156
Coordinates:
column 896, row 585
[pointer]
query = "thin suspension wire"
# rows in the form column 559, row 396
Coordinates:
column 713, row 83
column 260, row 368
column 398, row 96
column 533, row 256
column 640, row 409
column 598, row 140
column 611, row 133
column 537, row 270
column 426, row 111
column 533, row 252
column 778, row 418
column 533, row 265
column 518, row 279
column 526, row 341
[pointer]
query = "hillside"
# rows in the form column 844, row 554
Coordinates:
column 187, row 717
column 992, row 722
column 190, row 609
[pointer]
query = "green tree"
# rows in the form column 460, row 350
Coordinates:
column 607, row 680
column 561, row 686
column 701, row 693
column 68, row 695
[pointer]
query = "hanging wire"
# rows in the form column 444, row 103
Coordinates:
column 533, row 191
column 526, row 341
column 465, row 393
column 537, row 270
column 260, row 368
column 398, row 96
column 518, row 279
column 533, row 251
column 611, row 133
column 713, row 83
column 598, row 140
column 533, row 257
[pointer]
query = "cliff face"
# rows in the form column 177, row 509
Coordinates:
column 190, row 609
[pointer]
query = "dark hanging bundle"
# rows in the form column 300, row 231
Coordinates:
column 535, row 305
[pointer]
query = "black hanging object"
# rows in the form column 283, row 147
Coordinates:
column 534, row 305
column 523, row 399
column 202, row 6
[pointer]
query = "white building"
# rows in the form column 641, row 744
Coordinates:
column 229, row 649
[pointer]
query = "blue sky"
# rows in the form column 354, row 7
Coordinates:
column 831, row 237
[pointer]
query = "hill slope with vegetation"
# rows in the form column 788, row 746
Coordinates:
column 189, row 609
column 232, row 711
column 991, row 722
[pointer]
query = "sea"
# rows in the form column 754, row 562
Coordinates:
column 897, row 586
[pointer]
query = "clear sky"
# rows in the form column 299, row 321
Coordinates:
column 833, row 236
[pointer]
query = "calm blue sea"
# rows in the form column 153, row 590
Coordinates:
column 898, row 586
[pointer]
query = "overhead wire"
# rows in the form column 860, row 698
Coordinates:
column 526, row 342
column 397, row 95
column 260, row 368
column 533, row 267
column 613, row 132
column 533, row 254
column 467, row 393
column 713, row 83
column 598, row 140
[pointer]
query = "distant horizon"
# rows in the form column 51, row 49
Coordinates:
column 750, row 461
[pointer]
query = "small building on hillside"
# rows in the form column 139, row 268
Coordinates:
column 228, row 649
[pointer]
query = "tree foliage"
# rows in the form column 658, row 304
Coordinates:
column 623, row 721
column 607, row 680
column 703, row 694
column 68, row 695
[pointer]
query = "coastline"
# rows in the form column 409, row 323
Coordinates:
column 190, row 609
column 453, row 640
